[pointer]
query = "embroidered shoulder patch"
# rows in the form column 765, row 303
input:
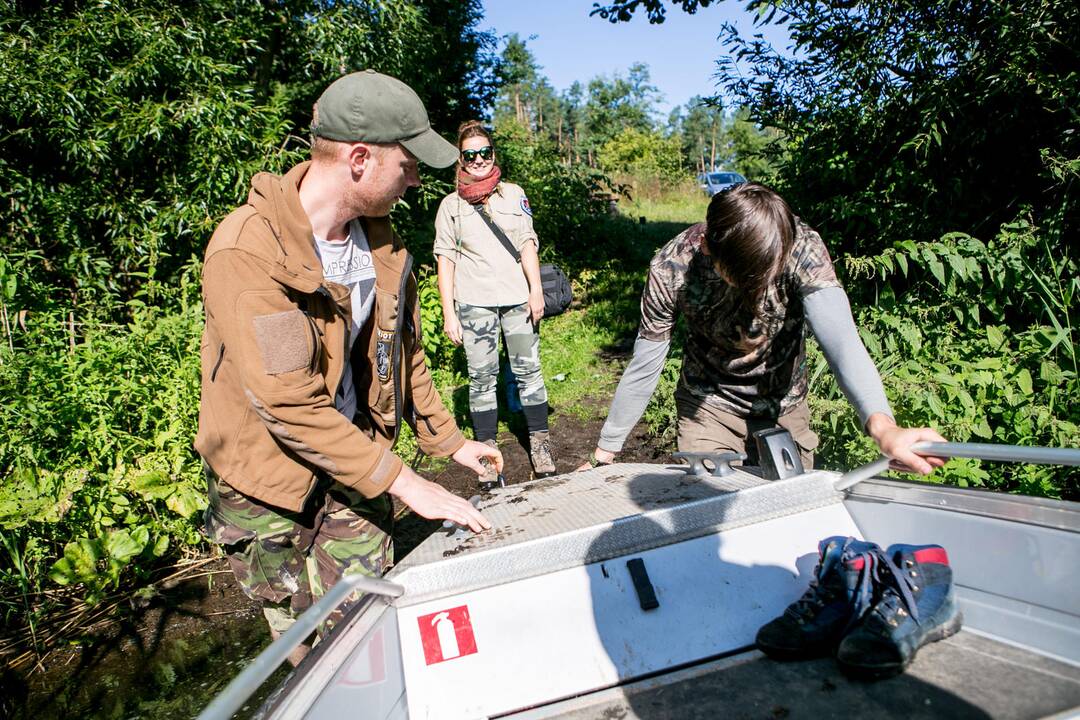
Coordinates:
column 383, row 348
column 525, row 205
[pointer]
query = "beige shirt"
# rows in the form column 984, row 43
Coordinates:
column 484, row 272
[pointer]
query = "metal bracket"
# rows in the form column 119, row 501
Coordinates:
column 721, row 462
column 489, row 486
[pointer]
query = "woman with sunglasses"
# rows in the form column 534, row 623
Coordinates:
column 750, row 281
column 486, row 290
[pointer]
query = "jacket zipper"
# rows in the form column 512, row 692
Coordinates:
column 399, row 321
column 325, row 292
column 314, row 342
column 217, row 365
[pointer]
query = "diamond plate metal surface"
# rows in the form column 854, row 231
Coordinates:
column 580, row 518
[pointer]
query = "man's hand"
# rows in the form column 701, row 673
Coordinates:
column 536, row 305
column 434, row 502
column 470, row 453
column 603, row 457
column 895, row 442
column 452, row 327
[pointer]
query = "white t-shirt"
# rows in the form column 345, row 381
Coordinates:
column 348, row 262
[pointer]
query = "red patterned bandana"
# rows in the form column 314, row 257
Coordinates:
column 474, row 190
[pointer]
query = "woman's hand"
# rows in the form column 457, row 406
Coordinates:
column 895, row 442
column 536, row 305
column 452, row 327
column 602, row 457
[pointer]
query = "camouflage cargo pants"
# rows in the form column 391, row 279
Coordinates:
column 288, row 560
column 480, row 335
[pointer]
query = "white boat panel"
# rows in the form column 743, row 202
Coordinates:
column 579, row 629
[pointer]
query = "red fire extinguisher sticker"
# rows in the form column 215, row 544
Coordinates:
column 447, row 634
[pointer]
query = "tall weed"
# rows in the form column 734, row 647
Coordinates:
column 976, row 339
column 95, row 453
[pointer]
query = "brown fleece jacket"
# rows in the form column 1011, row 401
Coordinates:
column 275, row 347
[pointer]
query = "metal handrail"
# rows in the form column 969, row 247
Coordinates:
column 1000, row 453
column 265, row 663
column 979, row 451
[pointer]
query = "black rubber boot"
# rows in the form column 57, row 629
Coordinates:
column 915, row 605
column 839, row 593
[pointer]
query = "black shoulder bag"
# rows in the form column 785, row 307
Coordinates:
column 557, row 292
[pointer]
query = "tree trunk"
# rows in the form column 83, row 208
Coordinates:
column 712, row 164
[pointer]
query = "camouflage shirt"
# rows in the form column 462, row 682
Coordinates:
column 746, row 365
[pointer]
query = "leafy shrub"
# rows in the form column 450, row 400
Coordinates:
column 980, row 344
column 644, row 155
column 129, row 130
column 97, row 450
column 566, row 199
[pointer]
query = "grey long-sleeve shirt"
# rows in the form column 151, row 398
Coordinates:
column 828, row 314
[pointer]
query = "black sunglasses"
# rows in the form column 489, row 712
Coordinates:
column 486, row 152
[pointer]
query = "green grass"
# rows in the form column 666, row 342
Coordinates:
column 684, row 203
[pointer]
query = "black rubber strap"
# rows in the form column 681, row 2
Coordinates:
column 644, row 587
column 499, row 233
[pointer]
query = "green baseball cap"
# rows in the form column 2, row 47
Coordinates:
column 368, row 106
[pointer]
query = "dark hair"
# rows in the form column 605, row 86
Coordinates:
column 749, row 231
column 473, row 128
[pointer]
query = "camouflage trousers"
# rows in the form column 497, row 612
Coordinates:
column 287, row 560
column 480, row 335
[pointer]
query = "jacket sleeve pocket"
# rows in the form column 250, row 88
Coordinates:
column 285, row 341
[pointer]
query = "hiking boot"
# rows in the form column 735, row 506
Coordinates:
column 490, row 479
column 915, row 605
column 540, row 454
column 839, row 593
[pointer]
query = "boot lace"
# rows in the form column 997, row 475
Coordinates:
column 823, row 592
column 896, row 592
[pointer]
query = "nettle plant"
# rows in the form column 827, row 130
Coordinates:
column 975, row 339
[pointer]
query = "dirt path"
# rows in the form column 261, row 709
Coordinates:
column 168, row 657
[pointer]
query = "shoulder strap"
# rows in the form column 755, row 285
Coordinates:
column 499, row 233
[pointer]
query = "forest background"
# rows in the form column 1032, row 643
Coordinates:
column 935, row 146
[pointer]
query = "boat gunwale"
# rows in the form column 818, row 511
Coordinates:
column 1040, row 512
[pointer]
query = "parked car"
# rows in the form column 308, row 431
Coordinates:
column 715, row 182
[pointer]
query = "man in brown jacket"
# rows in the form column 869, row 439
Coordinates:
column 312, row 360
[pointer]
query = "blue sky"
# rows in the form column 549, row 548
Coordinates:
column 681, row 53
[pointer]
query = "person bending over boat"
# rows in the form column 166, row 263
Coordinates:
column 485, row 289
column 749, row 281
column 311, row 358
